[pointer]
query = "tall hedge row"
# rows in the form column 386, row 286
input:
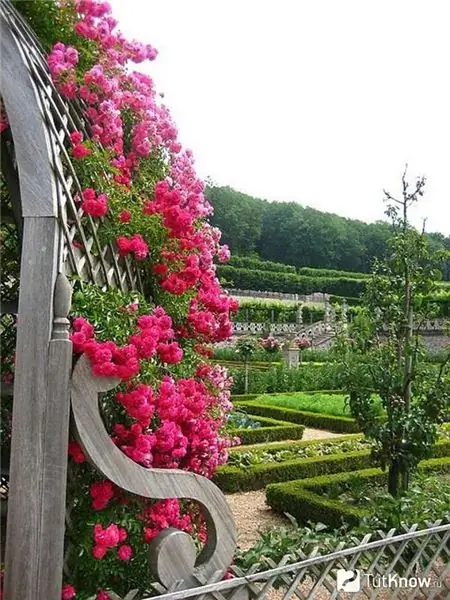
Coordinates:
column 313, row 272
column 339, row 287
column 248, row 262
column 254, row 279
column 255, row 311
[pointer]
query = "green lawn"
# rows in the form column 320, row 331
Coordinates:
column 317, row 403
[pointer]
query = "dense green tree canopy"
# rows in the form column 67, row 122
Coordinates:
column 292, row 234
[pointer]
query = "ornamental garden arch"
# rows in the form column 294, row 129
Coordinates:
column 40, row 222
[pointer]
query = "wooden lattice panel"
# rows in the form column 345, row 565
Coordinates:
column 87, row 259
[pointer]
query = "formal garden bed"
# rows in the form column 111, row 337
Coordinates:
column 280, row 378
column 255, row 430
column 253, row 396
column 330, row 404
column 254, row 467
column 351, row 497
column 308, row 419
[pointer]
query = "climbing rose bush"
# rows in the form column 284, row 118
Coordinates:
column 140, row 187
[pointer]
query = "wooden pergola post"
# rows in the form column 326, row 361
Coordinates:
column 38, row 468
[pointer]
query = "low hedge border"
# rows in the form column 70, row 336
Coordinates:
column 302, row 499
column 309, row 419
column 244, row 397
column 247, row 397
column 232, row 479
column 283, row 445
column 272, row 430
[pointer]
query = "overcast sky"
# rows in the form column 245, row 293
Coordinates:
column 320, row 102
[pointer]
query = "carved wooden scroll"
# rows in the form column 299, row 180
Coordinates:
column 173, row 556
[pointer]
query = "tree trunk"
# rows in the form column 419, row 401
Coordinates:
column 408, row 350
column 394, row 487
column 246, row 378
column 407, row 388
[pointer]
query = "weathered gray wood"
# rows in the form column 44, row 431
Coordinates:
column 173, row 555
column 154, row 483
column 38, row 434
column 56, row 438
column 35, row 535
column 31, row 141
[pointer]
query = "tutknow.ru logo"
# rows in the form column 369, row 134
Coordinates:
column 350, row 580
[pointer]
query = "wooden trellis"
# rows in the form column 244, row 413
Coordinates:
column 40, row 222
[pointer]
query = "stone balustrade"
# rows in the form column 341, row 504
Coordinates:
column 258, row 294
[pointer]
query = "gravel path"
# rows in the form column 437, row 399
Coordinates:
column 316, row 434
column 250, row 510
column 251, row 514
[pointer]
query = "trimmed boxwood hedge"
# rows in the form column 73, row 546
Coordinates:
column 283, row 445
column 248, row 262
column 248, row 397
column 272, row 281
column 234, row 479
column 302, row 499
column 309, row 419
column 243, row 397
column 272, row 430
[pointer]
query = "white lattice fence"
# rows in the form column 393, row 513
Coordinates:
column 399, row 559
column 409, row 565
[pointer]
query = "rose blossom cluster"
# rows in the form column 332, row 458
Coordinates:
column 93, row 204
column 184, row 434
column 176, row 423
column 108, row 538
column 269, row 343
column 61, row 63
column 302, row 342
column 108, row 88
column 135, row 245
column 4, row 123
column 79, row 149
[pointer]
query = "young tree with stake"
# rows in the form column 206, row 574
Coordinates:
column 383, row 354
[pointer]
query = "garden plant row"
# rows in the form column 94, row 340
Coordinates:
column 272, row 281
column 293, row 283
column 317, row 420
column 257, row 311
column 308, row 499
column 280, row 378
column 231, row 478
column 268, row 430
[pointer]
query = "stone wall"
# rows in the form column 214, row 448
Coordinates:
column 436, row 343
